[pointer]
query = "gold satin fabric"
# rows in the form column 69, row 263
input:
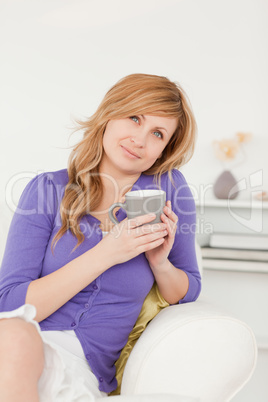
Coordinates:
column 152, row 304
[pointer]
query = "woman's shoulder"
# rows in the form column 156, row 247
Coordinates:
column 44, row 186
column 178, row 191
column 173, row 183
column 58, row 177
column 174, row 176
column 173, row 179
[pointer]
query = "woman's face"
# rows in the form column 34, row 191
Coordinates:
column 132, row 145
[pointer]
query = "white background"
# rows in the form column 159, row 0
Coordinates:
column 59, row 57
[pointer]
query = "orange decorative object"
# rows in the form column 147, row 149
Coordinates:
column 226, row 149
column 243, row 137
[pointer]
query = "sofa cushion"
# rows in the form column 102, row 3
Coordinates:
column 153, row 303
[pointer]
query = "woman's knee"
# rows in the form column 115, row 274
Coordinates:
column 21, row 345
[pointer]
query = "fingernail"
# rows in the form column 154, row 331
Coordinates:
column 151, row 214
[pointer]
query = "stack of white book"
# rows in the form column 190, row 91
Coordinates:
column 236, row 252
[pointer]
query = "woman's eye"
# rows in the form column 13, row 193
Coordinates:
column 158, row 134
column 135, row 118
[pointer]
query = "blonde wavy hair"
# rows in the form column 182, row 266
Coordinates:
column 134, row 94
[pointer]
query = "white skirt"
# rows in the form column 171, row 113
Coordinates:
column 66, row 377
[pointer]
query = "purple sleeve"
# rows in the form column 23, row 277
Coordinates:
column 183, row 254
column 27, row 240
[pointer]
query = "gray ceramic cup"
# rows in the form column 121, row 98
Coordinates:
column 141, row 202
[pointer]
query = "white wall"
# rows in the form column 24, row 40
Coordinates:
column 59, row 57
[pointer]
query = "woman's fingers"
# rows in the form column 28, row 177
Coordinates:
column 151, row 245
column 140, row 226
column 152, row 237
column 132, row 237
column 137, row 227
column 170, row 218
column 170, row 214
column 147, row 229
column 140, row 220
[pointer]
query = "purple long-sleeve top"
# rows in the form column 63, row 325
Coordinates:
column 104, row 312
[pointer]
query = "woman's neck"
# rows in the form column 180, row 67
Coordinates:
column 116, row 183
column 114, row 190
column 118, row 187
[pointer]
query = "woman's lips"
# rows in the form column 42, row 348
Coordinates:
column 130, row 153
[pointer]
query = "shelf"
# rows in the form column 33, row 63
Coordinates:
column 262, row 342
column 215, row 203
column 246, row 266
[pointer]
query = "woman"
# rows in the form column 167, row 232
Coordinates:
column 84, row 280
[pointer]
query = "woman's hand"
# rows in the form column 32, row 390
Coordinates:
column 158, row 257
column 132, row 237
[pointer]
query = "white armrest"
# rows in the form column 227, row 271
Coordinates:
column 194, row 350
column 148, row 398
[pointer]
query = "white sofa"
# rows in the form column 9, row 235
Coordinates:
column 188, row 353
column 193, row 351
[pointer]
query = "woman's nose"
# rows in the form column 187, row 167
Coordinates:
column 138, row 140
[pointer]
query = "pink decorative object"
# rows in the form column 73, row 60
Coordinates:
column 225, row 187
column 226, row 151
